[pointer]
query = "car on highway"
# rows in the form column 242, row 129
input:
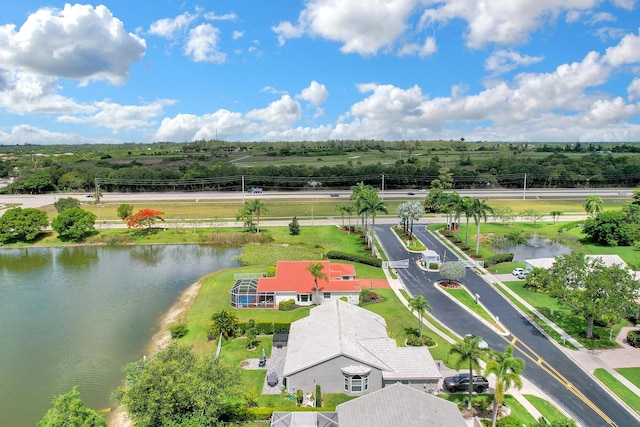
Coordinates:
column 517, row 271
column 460, row 382
column 411, row 193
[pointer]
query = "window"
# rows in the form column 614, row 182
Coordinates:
column 303, row 298
column 327, row 295
column 356, row 383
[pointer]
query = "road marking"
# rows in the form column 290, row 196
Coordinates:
column 538, row 360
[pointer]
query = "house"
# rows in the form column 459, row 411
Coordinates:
column 347, row 349
column 293, row 281
column 396, row 404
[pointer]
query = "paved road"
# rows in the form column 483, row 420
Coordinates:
column 548, row 367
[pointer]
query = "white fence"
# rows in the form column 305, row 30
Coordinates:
column 471, row 263
column 240, row 276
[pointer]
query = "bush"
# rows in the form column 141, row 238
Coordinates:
column 318, row 396
column 416, row 341
column 361, row 259
column 178, row 330
column 367, row 296
column 497, row 259
column 287, row 305
column 633, row 338
column 271, row 271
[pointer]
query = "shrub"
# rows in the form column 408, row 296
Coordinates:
column 178, row 330
column 318, row 396
column 271, row 271
column 299, row 397
column 367, row 296
column 287, row 305
column 434, row 266
column 361, row 259
column 633, row 338
column 416, row 341
column 498, row 258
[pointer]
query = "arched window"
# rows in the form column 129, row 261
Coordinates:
column 356, row 379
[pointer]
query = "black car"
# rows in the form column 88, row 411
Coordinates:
column 460, row 382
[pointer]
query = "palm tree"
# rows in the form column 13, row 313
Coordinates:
column 414, row 212
column 349, row 210
column 469, row 351
column 466, row 207
column 402, row 212
column 316, row 271
column 453, row 200
column 507, row 370
column 555, row 215
column 480, row 211
column 420, row 305
column 225, row 323
column 370, row 205
column 257, row 207
column 593, row 205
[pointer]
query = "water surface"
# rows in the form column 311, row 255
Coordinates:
column 75, row 315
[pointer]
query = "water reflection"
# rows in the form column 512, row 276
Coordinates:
column 534, row 247
column 75, row 316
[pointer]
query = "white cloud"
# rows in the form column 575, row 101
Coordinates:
column 23, row 93
column 202, row 45
column 79, row 42
column 238, row 35
column 315, row 93
column 428, row 48
column 189, row 127
column 211, row 16
column 27, row 134
column 169, row 27
column 625, row 52
column 634, row 89
column 502, row 61
column 608, row 111
column 500, row 22
column 625, row 4
column 362, row 26
column 118, row 117
column 278, row 114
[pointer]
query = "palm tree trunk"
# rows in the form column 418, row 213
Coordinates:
column 470, row 384
column 477, row 237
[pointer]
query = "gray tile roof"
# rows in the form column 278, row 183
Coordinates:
column 399, row 405
column 338, row 328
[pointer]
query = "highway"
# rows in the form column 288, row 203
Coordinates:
column 548, row 367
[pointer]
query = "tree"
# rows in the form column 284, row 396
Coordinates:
column 480, row 210
column 508, row 370
column 124, row 210
column 39, row 182
column 420, row 305
column 593, row 205
column 453, row 270
column 539, row 280
column 245, row 215
column 414, row 212
column 74, row 224
column 294, row 226
column 69, row 410
column 22, row 225
column 532, row 215
column 505, row 215
column 370, row 205
column 176, row 387
column 592, row 289
column 612, row 228
column 555, row 215
column 225, row 323
column 257, row 208
column 66, row 203
column 316, row 271
column 144, row 218
column 466, row 207
column 469, row 351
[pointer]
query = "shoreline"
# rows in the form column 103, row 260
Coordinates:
column 118, row 417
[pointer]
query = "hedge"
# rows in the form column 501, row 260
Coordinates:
column 266, row 328
column 497, row 259
column 361, row 259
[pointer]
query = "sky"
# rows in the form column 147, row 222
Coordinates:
column 318, row 70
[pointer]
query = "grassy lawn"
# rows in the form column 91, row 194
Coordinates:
column 546, row 408
column 562, row 316
column 627, row 396
column 462, row 295
column 632, row 374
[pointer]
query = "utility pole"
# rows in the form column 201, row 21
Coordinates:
column 243, row 189
column 524, row 191
column 382, row 193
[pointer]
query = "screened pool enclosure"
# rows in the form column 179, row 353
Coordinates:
column 244, row 294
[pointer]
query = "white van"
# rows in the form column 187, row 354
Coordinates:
column 255, row 190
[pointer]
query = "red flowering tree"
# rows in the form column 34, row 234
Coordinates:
column 144, row 218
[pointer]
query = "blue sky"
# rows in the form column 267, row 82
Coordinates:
column 284, row 70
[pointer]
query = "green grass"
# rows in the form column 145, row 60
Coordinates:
column 546, row 408
column 569, row 322
column 627, row 396
column 517, row 410
column 462, row 295
column 632, row 374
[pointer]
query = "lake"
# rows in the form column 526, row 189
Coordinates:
column 75, row 315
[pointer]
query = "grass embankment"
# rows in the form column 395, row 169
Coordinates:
column 627, row 396
column 484, row 400
column 546, row 408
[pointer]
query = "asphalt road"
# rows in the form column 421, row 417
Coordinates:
column 548, row 367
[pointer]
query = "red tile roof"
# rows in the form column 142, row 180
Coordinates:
column 294, row 276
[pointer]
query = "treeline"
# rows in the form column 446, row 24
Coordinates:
column 198, row 167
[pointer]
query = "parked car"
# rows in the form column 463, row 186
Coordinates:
column 523, row 274
column 482, row 345
column 460, row 382
column 272, row 379
column 517, row 271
